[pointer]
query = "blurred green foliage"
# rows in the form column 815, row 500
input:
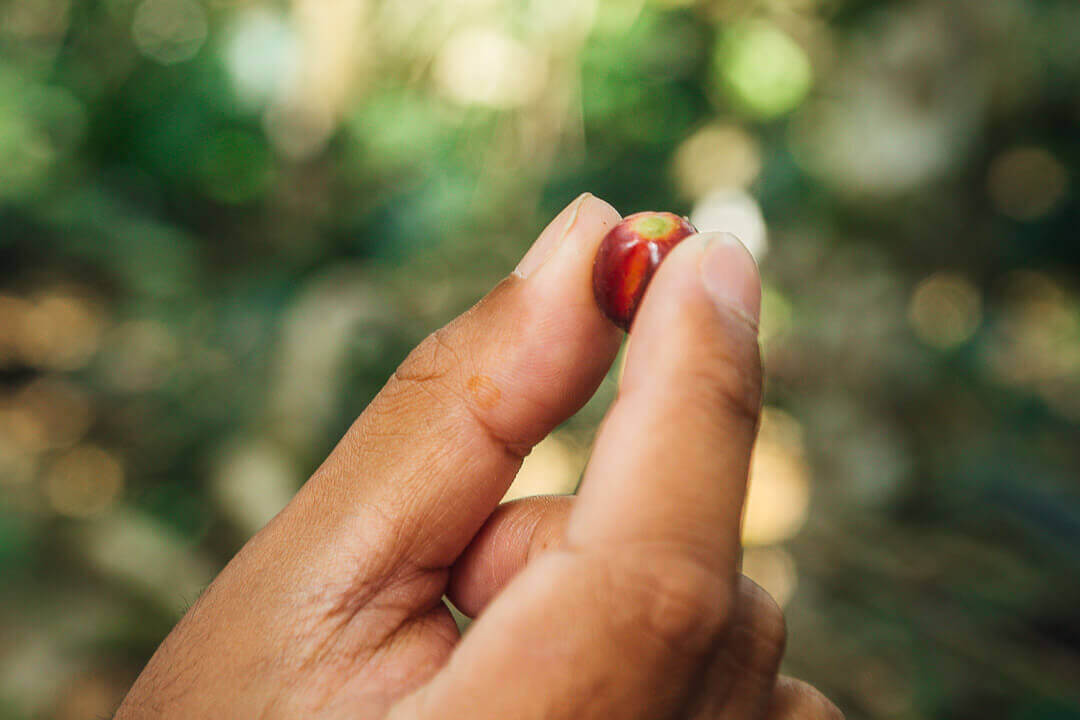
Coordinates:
column 223, row 224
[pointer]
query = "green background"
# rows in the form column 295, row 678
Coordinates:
column 223, row 224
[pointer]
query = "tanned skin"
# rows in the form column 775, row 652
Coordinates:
column 623, row 603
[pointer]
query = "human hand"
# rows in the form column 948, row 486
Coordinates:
column 622, row 603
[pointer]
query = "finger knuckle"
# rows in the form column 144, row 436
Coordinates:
column 678, row 603
column 432, row 361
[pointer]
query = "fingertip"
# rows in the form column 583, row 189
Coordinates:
column 730, row 276
column 548, row 240
column 601, row 206
column 575, row 226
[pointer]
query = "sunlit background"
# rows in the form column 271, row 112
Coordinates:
column 223, row 224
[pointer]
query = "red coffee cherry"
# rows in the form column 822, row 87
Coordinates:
column 628, row 257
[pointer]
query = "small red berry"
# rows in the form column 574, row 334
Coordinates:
column 628, row 257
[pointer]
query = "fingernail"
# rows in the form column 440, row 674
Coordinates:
column 551, row 238
column 730, row 276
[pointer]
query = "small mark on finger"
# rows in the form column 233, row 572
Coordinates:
column 483, row 391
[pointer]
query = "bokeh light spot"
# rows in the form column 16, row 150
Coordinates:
column 762, row 69
column 83, row 481
column 553, row 467
column 736, row 212
column 253, row 479
column 23, row 431
column 260, row 53
column 717, row 156
column 141, row 355
column 899, row 107
column 60, row 409
column 13, row 314
column 169, row 31
column 59, row 330
column 1025, row 183
column 1036, row 342
column 945, row 310
column 778, row 499
column 486, row 66
column 17, row 465
column 774, row 570
column 776, row 313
